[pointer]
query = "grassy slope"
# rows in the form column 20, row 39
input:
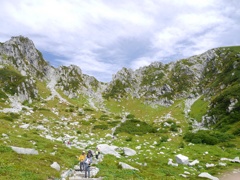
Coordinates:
column 15, row 166
column 24, row 166
column 157, row 167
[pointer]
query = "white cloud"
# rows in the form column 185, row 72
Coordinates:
column 102, row 36
column 141, row 62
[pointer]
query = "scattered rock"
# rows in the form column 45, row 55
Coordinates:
column 20, row 150
column 56, row 166
column 106, row 149
column 193, row 163
column 126, row 166
column 171, row 163
column 209, row 165
column 206, row 175
column 128, row 151
column 181, row 159
column 24, row 126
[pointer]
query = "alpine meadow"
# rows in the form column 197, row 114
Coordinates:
column 179, row 120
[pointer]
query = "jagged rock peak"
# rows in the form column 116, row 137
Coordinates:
column 20, row 40
column 71, row 68
column 123, row 74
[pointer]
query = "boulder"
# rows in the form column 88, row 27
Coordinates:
column 193, row 163
column 181, row 159
column 20, row 150
column 106, row 149
column 206, row 175
column 128, row 151
column 126, row 166
column 56, row 166
column 24, row 126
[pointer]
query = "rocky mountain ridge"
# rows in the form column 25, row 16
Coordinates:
column 158, row 109
column 22, row 66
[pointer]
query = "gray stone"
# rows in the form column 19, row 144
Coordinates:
column 106, row 149
column 24, row 126
column 126, row 166
column 56, row 166
column 20, row 150
column 207, row 175
column 128, row 151
column 181, row 159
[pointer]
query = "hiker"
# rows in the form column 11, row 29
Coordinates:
column 90, row 152
column 97, row 153
column 87, row 164
column 81, row 159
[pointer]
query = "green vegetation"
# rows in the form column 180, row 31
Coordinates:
column 156, row 132
column 220, row 105
column 10, row 116
column 207, row 137
column 199, row 109
column 10, row 80
column 102, row 126
column 135, row 126
column 117, row 90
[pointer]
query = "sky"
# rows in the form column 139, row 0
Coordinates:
column 103, row 36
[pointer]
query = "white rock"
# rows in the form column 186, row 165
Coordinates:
column 222, row 164
column 4, row 135
column 181, row 159
column 183, row 175
column 138, row 147
column 128, row 151
column 126, row 166
column 56, row 166
column 24, row 150
column 106, row 149
column 209, row 165
column 236, row 159
column 24, row 126
column 41, row 127
column 171, row 163
column 206, row 175
column 193, row 163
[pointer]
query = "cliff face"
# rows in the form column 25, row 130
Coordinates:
column 211, row 74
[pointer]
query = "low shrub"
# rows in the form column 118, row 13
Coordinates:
column 104, row 117
column 130, row 116
column 128, row 139
column 113, row 123
column 236, row 132
column 207, row 137
column 102, row 126
column 10, row 117
column 135, row 126
column 79, row 132
column 5, row 149
column 164, row 138
column 88, row 109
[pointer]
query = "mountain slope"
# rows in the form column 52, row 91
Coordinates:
column 155, row 110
